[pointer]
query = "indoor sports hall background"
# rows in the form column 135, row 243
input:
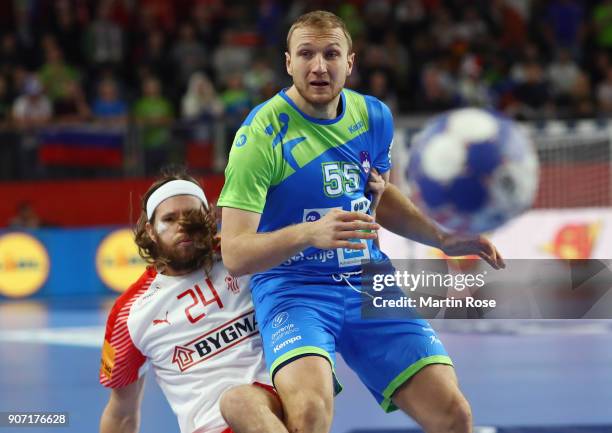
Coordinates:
column 96, row 96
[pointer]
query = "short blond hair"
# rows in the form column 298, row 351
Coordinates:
column 321, row 20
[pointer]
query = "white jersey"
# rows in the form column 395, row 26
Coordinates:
column 199, row 334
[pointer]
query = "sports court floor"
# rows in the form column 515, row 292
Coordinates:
column 520, row 377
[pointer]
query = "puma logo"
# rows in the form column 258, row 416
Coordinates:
column 160, row 321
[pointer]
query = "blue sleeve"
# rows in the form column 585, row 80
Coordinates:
column 381, row 122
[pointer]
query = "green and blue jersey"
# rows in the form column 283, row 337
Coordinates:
column 293, row 168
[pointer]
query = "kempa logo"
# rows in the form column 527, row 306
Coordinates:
column 286, row 343
column 216, row 341
column 356, row 127
column 241, row 141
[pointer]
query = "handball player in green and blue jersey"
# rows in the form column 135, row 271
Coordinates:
column 297, row 215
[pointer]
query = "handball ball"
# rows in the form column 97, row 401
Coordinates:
column 472, row 170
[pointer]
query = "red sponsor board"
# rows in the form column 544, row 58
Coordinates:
column 79, row 203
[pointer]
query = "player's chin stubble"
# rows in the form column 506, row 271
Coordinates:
column 314, row 98
column 179, row 259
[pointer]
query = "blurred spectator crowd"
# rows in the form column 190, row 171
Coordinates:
column 154, row 62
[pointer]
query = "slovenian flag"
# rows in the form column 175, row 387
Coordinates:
column 82, row 146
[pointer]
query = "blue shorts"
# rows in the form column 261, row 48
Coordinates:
column 319, row 316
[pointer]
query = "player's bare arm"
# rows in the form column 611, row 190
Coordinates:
column 245, row 251
column 376, row 186
column 122, row 412
column 399, row 215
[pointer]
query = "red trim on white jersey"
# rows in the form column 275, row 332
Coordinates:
column 121, row 360
column 203, row 430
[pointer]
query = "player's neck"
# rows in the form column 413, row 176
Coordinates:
column 326, row 111
column 171, row 272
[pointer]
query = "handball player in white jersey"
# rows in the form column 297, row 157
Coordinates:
column 188, row 321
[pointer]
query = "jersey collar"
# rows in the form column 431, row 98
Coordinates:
column 283, row 94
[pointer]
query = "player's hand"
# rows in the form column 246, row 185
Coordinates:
column 340, row 229
column 376, row 186
column 458, row 245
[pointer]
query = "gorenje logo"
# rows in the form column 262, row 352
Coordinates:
column 320, row 256
column 216, row 341
column 280, row 319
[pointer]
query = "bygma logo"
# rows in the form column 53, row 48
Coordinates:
column 24, row 265
column 117, row 260
column 216, row 341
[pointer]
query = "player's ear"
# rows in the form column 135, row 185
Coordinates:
column 351, row 61
column 288, row 63
column 150, row 232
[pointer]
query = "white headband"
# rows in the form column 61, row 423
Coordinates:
column 171, row 189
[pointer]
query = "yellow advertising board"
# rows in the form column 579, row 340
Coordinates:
column 24, row 265
column 117, row 260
